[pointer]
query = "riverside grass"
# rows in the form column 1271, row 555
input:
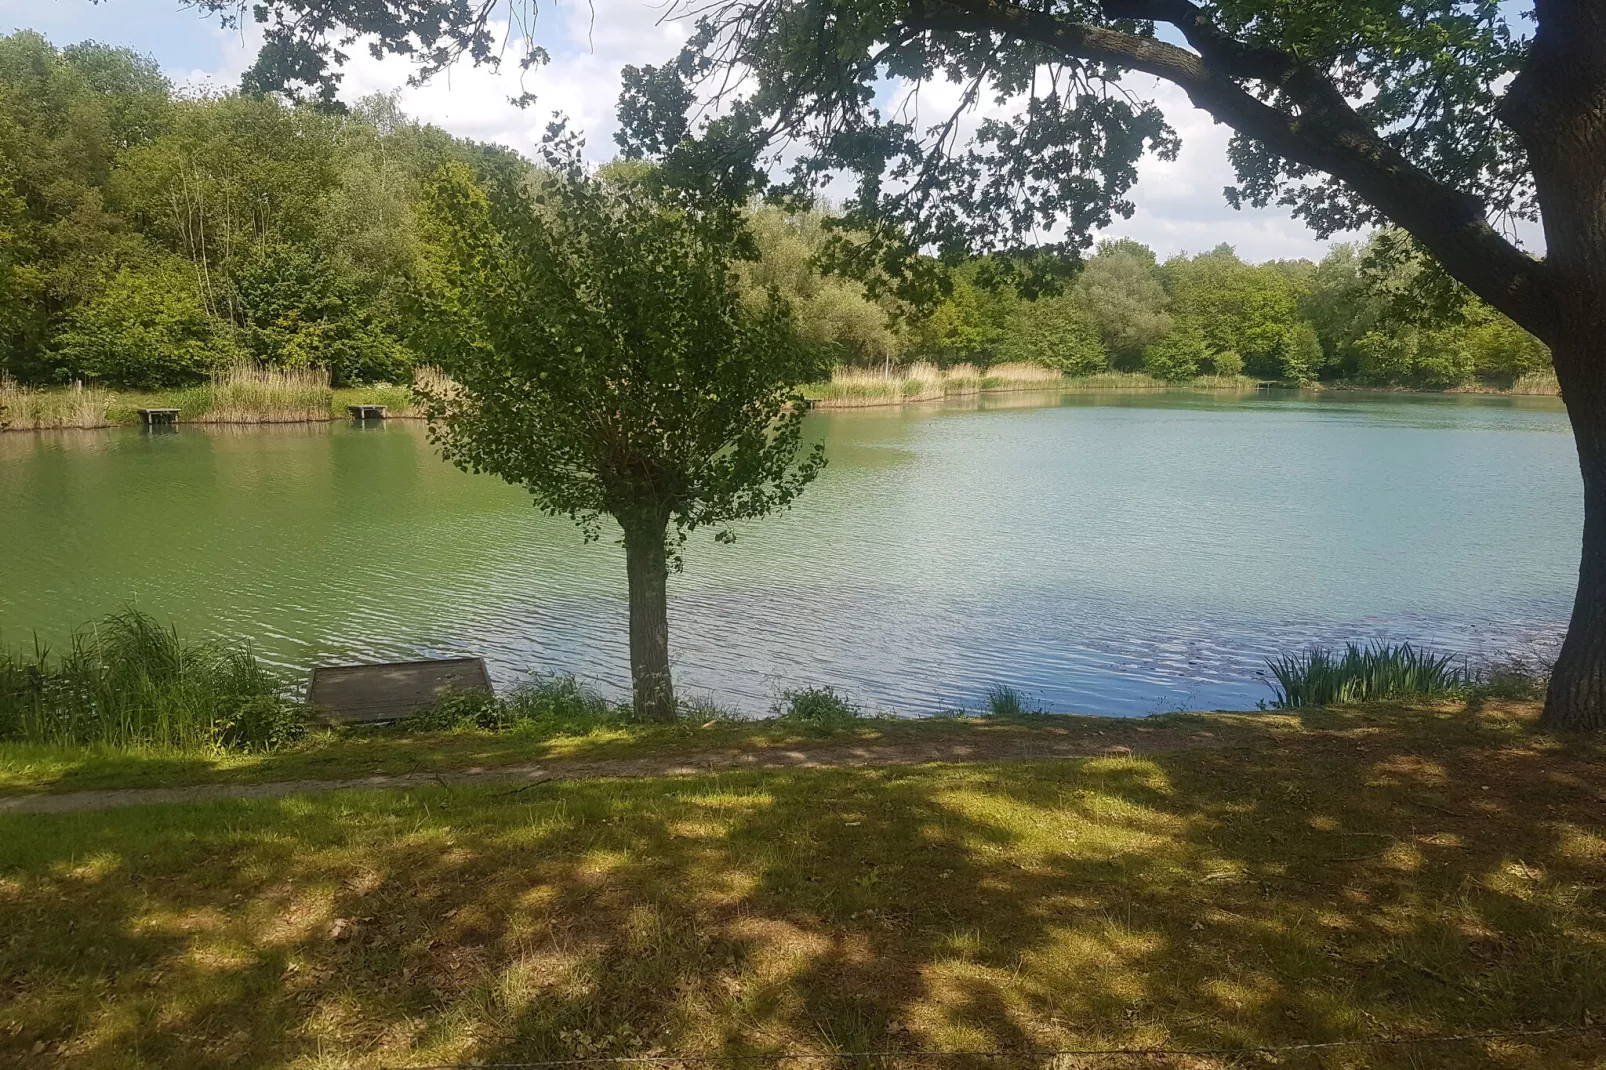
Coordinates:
column 127, row 683
column 242, row 394
column 1384, row 872
column 1376, row 671
column 853, row 387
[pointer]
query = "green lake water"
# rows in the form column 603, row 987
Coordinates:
column 1116, row 554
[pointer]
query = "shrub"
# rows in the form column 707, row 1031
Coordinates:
column 547, row 704
column 821, row 707
column 261, row 722
column 1320, row 677
column 1177, row 356
column 474, row 708
column 1053, row 332
column 146, row 329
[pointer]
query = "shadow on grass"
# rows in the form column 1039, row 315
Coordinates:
column 1354, row 876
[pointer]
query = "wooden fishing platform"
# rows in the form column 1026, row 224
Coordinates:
column 366, row 412
column 153, row 417
column 360, row 694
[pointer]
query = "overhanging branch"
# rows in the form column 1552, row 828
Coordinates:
column 1327, row 134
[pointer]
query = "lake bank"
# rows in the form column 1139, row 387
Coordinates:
column 266, row 402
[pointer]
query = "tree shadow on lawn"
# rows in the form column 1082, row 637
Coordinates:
column 1344, row 879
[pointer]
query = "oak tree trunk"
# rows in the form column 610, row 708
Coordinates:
column 647, row 567
column 1557, row 105
column 1577, row 697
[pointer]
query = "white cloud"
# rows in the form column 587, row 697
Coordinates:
column 1179, row 204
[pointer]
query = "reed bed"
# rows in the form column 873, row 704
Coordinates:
column 252, row 393
column 1377, row 671
column 857, row 387
column 127, row 682
column 923, row 381
column 1543, row 382
column 246, row 393
column 1005, row 376
column 78, row 406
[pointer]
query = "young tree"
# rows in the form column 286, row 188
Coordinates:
column 606, row 359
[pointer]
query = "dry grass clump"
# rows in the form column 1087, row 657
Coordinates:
column 1541, row 382
column 78, row 406
column 1005, row 375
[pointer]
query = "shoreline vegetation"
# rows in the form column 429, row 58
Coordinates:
column 243, row 394
column 249, row 394
column 125, row 690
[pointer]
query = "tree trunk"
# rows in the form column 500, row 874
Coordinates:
column 1557, row 105
column 647, row 566
column 1577, row 697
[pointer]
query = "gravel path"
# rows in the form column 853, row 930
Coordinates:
column 693, row 763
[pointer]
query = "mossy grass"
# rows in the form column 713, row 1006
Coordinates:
column 1328, row 877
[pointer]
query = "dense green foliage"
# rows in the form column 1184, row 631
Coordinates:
column 125, row 681
column 543, row 706
column 1350, row 318
column 151, row 238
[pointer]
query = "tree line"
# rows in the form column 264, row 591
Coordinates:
column 152, row 236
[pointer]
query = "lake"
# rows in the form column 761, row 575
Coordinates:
column 1121, row 554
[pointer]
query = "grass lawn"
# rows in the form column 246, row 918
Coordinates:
column 1381, row 872
column 336, row 754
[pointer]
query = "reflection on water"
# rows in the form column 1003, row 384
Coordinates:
column 1108, row 553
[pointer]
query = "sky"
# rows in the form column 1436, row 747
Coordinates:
column 1180, row 207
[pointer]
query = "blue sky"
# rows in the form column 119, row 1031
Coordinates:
column 1180, row 207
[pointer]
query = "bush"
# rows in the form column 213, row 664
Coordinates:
column 262, row 722
column 459, row 709
column 547, row 704
column 1226, row 362
column 147, row 329
column 1053, row 332
column 1177, row 356
column 820, row 707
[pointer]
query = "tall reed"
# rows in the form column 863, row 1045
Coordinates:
column 126, row 681
column 22, row 409
column 1321, row 677
column 253, row 393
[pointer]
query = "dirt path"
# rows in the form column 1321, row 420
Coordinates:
column 693, row 763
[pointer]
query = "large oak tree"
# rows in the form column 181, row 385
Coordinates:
column 1442, row 117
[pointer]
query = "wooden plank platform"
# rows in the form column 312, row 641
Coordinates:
column 358, row 694
column 366, row 412
column 158, row 416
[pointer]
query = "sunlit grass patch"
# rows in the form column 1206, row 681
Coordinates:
column 1249, row 895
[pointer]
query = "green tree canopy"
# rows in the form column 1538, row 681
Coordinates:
column 146, row 329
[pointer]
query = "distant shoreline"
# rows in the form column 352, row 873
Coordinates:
column 91, row 408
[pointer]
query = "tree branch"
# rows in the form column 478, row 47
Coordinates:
column 1327, row 134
